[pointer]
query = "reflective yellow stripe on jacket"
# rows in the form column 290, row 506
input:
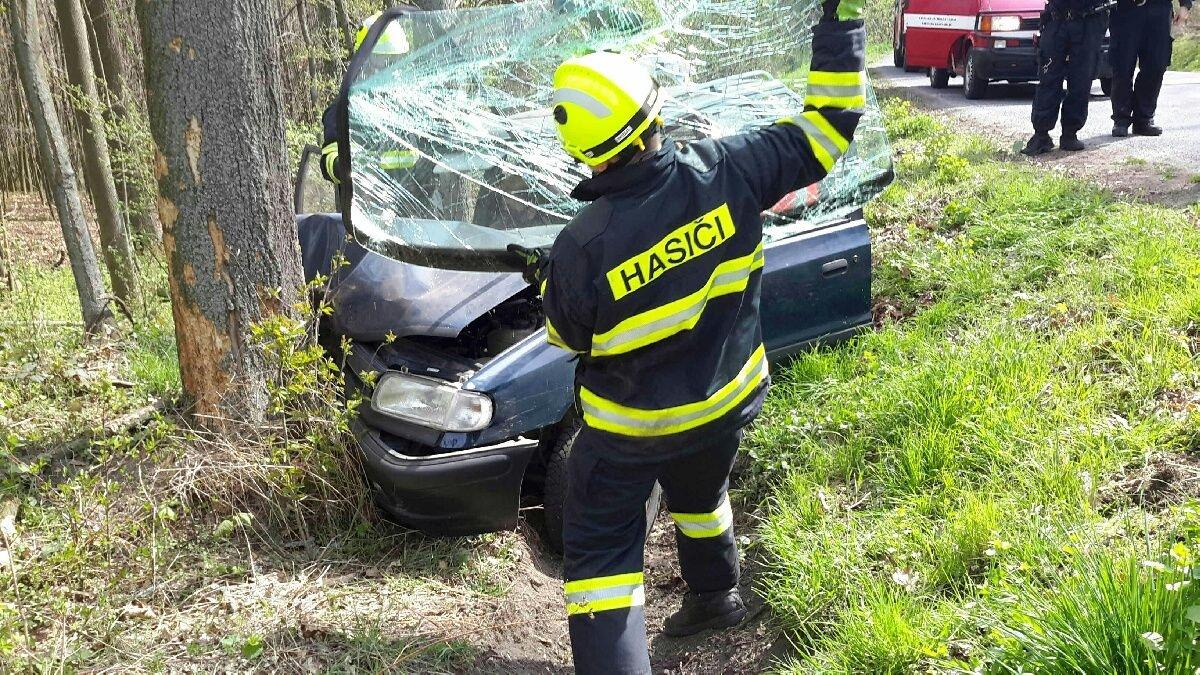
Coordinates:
column 599, row 594
column 329, row 155
column 827, row 144
column 639, row 330
column 601, row 413
column 831, row 89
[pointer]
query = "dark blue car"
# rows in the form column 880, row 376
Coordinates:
column 470, row 414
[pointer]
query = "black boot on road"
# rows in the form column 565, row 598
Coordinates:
column 1039, row 144
column 701, row 611
column 1146, row 129
column 1120, row 130
column 1070, row 142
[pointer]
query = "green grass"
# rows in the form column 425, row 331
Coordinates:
column 1185, row 53
column 923, row 476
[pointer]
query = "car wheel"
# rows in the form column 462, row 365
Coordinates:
column 1106, row 85
column 939, row 78
column 975, row 86
column 555, row 493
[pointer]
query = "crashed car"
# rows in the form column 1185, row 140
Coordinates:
column 468, row 412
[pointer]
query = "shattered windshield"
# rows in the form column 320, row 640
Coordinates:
column 454, row 155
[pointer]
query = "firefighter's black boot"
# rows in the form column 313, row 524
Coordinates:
column 1070, row 142
column 1146, row 129
column 701, row 611
column 1120, row 130
column 1039, row 144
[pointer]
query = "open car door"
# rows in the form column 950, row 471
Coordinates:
column 453, row 155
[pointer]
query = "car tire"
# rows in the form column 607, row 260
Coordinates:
column 975, row 86
column 555, row 491
column 939, row 78
column 1106, row 85
column 898, row 53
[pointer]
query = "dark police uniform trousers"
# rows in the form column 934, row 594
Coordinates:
column 1141, row 38
column 1067, row 51
column 656, row 285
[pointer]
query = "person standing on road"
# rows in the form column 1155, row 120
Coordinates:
column 656, row 284
column 1068, row 49
column 1141, row 37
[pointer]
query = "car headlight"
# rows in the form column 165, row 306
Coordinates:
column 431, row 403
column 999, row 24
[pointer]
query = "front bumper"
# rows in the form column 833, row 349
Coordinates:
column 451, row 494
column 1020, row 64
column 1015, row 64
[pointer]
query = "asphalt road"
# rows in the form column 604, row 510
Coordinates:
column 1005, row 112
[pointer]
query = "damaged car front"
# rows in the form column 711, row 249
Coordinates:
column 453, row 156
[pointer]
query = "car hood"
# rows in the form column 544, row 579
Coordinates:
column 373, row 295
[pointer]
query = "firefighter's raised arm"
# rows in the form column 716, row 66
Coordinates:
column 799, row 150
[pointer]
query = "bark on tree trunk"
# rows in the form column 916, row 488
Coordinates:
column 347, row 32
column 302, row 17
column 114, row 238
column 56, row 162
column 116, row 80
column 216, row 113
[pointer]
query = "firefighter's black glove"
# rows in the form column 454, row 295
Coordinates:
column 532, row 261
column 842, row 10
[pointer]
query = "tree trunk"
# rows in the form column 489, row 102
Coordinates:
column 56, row 162
column 347, row 32
column 306, row 39
column 116, row 80
column 114, row 238
column 6, row 270
column 216, row 113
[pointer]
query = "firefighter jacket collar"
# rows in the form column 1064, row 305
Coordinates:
column 642, row 176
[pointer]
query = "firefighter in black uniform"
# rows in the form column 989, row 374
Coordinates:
column 1141, row 37
column 392, row 43
column 655, row 284
column 1071, row 33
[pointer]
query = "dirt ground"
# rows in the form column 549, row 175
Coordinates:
column 32, row 231
column 538, row 642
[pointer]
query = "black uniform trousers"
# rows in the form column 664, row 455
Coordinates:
column 1141, row 38
column 1068, row 51
column 604, row 533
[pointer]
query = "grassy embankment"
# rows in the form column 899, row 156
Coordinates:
column 999, row 476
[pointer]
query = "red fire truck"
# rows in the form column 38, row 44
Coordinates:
column 981, row 41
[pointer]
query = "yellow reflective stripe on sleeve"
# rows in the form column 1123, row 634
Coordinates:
column 827, row 144
column 837, row 78
column 639, row 330
column 586, row 596
column 601, row 413
column 329, row 155
column 705, row 525
column 555, row 339
column 828, row 89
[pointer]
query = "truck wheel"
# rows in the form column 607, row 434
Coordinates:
column 975, row 86
column 939, row 78
column 555, row 495
column 898, row 53
column 1106, row 85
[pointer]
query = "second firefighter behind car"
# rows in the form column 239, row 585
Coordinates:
column 655, row 284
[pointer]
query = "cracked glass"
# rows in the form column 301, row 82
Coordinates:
column 453, row 154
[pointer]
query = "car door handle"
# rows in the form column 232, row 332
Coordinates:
column 834, row 267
